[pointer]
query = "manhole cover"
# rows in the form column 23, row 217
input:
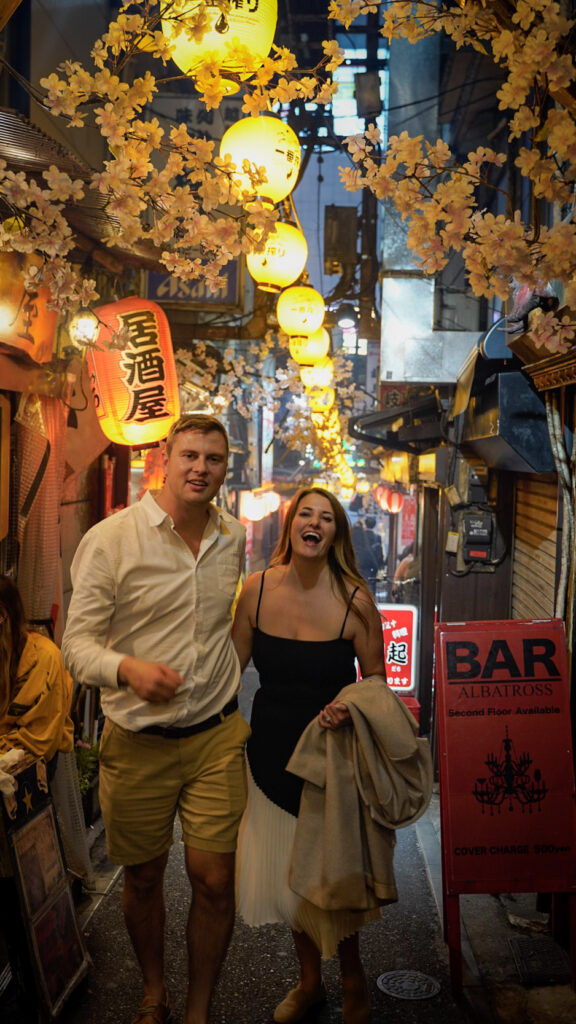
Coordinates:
column 408, row 985
column 540, row 961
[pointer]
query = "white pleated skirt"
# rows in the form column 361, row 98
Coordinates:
column 263, row 895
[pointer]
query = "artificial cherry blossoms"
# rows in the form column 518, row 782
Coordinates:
column 165, row 195
column 533, row 42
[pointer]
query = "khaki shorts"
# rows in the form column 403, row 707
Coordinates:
column 145, row 780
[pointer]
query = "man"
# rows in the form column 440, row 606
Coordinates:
column 149, row 622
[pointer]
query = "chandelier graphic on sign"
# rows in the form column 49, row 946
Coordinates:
column 509, row 780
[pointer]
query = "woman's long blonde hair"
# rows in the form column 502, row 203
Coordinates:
column 341, row 556
column 12, row 639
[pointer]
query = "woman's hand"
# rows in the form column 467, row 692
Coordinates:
column 334, row 716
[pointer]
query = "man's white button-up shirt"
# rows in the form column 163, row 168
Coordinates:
column 138, row 590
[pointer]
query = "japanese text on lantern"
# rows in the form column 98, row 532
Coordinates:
column 143, row 367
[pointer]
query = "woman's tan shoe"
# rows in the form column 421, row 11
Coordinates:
column 356, row 1007
column 296, row 1004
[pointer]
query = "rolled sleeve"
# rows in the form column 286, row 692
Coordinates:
column 84, row 649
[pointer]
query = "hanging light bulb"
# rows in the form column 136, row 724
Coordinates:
column 282, row 261
column 311, row 348
column 83, row 328
column 238, row 40
column 263, row 142
column 347, row 315
column 300, row 311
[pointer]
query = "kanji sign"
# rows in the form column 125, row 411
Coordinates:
column 135, row 388
column 400, row 635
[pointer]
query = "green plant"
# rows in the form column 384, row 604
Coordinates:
column 86, row 763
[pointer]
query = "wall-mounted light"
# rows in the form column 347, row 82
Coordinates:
column 83, row 328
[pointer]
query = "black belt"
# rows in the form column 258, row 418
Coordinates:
column 174, row 732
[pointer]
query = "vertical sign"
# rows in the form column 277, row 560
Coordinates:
column 506, row 762
column 400, row 634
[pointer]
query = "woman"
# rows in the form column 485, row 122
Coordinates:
column 35, row 688
column 35, row 695
column 304, row 621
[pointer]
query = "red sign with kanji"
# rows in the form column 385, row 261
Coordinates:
column 505, row 756
column 400, row 635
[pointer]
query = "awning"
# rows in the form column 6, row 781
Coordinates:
column 414, row 427
column 25, row 147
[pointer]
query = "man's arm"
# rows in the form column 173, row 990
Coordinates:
column 84, row 644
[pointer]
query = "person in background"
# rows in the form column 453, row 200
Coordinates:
column 35, row 699
column 374, row 543
column 366, row 556
column 304, row 620
column 149, row 623
column 35, row 688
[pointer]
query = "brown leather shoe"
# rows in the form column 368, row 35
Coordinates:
column 151, row 1011
column 296, row 1004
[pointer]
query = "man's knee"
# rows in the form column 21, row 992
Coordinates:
column 211, row 873
column 142, row 878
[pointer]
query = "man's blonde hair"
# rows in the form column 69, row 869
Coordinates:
column 200, row 421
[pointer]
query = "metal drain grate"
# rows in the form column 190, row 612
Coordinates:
column 540, row 961
column 408, row 985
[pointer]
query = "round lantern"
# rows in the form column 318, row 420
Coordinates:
column 318, row 376
column 252, row 506
column 381, row 496
column 264, row 142
column 310, row 349
column 300, row 310
column 136, row 388
column 320, row 399
column 394, row 502
column 238, row 40
column 282, row 261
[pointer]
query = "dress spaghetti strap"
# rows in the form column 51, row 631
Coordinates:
column 347, row 610
column 260, row 597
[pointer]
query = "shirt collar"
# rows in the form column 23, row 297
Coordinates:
column 157, row 515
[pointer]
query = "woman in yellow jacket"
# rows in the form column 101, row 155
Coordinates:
column 35, row 688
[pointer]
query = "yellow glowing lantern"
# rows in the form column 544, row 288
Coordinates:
column 237, row 40
column 363, row 486
column 282, row 261
column 136, row 388
column 27, row 324
column 318, row 376
column 310, row 349
column 320, row 400
column 300, row 310
column 266, row 143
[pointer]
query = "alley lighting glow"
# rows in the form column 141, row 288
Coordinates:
column 310, row 349
column 320, row 399
column 318, row 376
column 238, row 40
column 300, row 310
column 363, row 487
column 264, row 142
column 83, row 328
column 271, row 501
column 252, row 506
column 347, row 315
column 282, row 261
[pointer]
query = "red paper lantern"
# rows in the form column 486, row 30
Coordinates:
column 394, row 501
column 135, row 388
column 381, row 496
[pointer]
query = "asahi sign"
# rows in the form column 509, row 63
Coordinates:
column 506, row 761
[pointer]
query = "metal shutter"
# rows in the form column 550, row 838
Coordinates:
column 535, row 547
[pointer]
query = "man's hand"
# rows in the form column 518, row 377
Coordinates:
column 151, row 680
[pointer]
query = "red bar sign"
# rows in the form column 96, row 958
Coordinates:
column 506, row 763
